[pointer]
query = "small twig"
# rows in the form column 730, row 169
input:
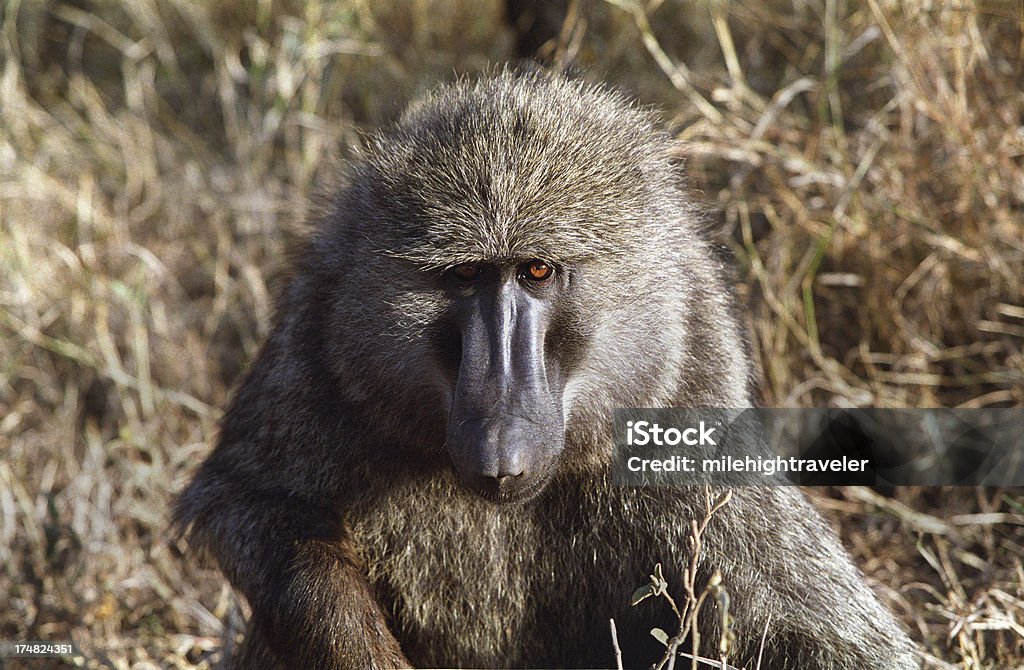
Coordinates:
column 764, row 637
column 705, row 661
column 615, row 645
column 694, row 600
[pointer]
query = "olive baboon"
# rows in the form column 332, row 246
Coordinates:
column 416, row 469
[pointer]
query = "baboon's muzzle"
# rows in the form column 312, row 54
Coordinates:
column 506, row 427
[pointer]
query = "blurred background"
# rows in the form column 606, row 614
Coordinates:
column 863, row 160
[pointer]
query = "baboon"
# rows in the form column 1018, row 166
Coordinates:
column 415, row 471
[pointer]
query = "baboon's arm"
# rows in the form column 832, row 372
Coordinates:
column 289, row 558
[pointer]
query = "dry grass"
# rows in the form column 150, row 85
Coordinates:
column 866, row 160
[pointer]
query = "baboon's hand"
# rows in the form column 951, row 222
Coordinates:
column 312, row 607
column 322, row 614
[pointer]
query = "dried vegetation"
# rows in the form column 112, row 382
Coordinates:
column 865, row 161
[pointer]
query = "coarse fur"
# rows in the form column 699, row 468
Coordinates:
column 331, row 501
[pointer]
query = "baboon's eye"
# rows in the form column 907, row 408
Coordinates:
column 538, row 271
column 466, row 271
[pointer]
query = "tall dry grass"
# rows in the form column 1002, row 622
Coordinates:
column 866, row 162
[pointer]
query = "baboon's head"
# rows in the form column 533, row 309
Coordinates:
column 509, row 260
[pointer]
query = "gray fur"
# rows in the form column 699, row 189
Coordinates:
column 330, row 502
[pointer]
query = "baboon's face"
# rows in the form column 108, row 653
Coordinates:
column 517, row 290
column 505, row 345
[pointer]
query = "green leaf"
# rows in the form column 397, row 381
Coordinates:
column 660, row 635
column 645, row 591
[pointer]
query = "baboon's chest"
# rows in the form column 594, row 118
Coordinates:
column 469, row 583
column 457, row 578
